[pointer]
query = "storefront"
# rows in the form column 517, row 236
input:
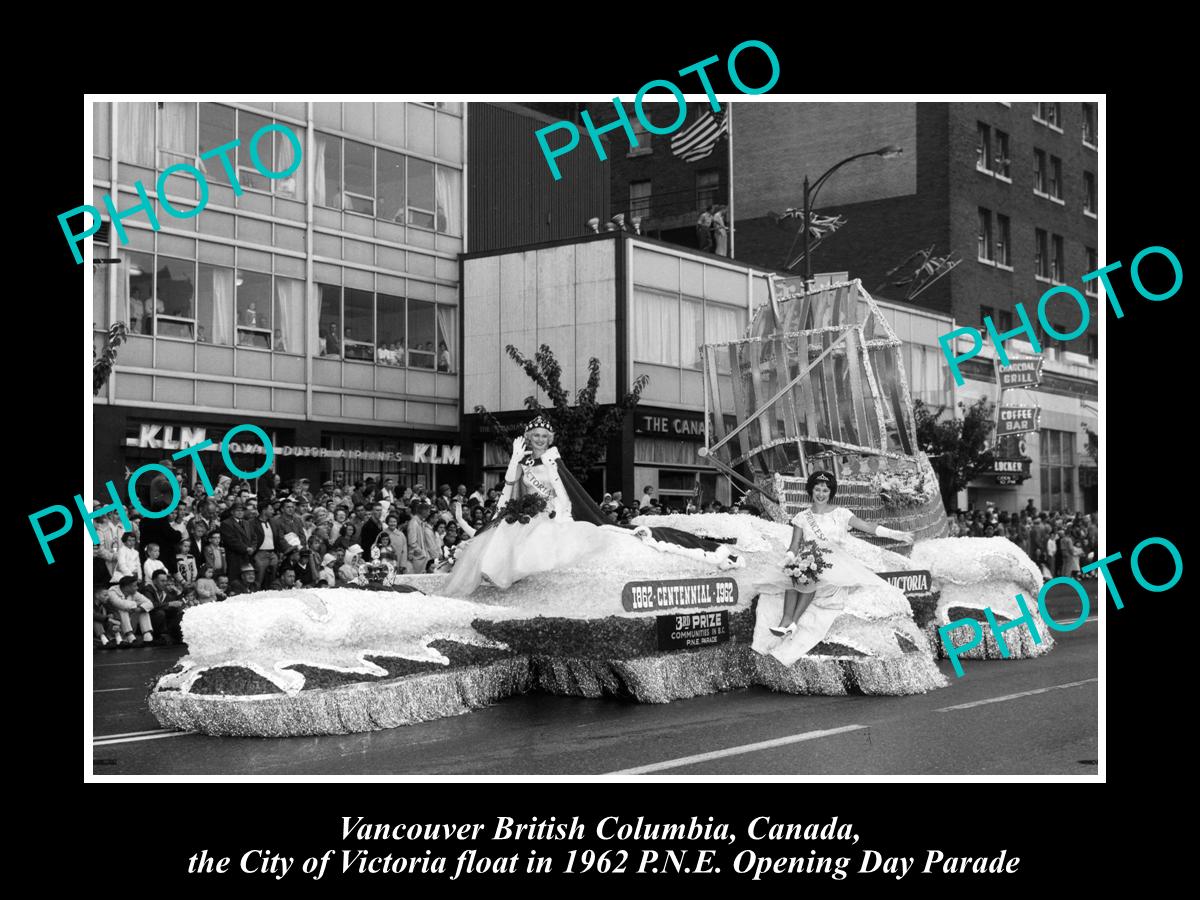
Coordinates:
column 665, row 457
column 126, row 439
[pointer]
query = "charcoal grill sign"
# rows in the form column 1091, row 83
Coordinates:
column 1021, row 373
column 693, row 631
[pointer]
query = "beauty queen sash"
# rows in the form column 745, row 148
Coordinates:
column 816, row 529
column 542, row 488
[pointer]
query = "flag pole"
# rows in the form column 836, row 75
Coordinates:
column 729, row 153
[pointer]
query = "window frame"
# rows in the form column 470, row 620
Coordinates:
column 985, row 238
column 1041, row 254
column 1090, row 195
column 983, row 148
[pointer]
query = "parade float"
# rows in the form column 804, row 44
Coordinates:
column 818, row 383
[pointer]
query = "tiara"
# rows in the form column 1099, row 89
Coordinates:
column 823, row 476
column 539, row 422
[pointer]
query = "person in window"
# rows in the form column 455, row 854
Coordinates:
column 720, row 231
column 280, row 345
column 333, row 344
column 569, row 527
column 443, row 357
column 704, row 226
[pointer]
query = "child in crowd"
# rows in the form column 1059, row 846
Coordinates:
column 128, row 560
column 153, row 563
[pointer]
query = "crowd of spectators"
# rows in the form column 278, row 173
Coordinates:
column 241, row 540
column 1060, row 542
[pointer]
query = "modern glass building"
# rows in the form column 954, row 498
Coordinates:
column 322, row 306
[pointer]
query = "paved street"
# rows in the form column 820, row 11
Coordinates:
column 1002, row 718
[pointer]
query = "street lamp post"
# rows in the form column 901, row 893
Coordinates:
column 891, row 151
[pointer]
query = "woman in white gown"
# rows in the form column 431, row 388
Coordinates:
column 808, row 613
column 568, row 529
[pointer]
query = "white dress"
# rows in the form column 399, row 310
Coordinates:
column 830, row 530
column 507, row 552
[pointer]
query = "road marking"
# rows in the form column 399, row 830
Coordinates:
column 126, row 734
column 138, row 662
column 109, row 690
column 108, row 742
column 1053, row 687
column 736, row 751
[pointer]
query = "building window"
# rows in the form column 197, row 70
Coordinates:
column 1055, row 178
column 253, row 293
column 1057, row 261
column 1091, row 288
column 985, row 235
column 422, row 325
column 174, row 298
column 1001, row 163
column 1005, row 318
column 358, row 333
column 1089, row 126
column 1041, row 254
column 669, row 328
column 708, row 188
column 389, row 186
column 359, row 174
column 985, row 313
column 1093, row 345
column 1048, row 114
column 1057, row 460
column 1089, row 194
column 386, row 329
column 639, row 199
column 645, row 144
column 422, row 210
column 1003, row 241
column 375, row 182
column 219, row 125
column 983, row 148
column 1040, row 175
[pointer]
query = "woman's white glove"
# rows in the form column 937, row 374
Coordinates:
column 514, row 464
column 905, row 536
column 789, row 557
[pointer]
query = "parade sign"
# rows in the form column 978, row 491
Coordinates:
column 1017, row 420
column 693, row 630
column 686, row 592
column 912, row 581
column 1020, row 373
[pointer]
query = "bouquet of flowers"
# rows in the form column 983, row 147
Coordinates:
column 805, row 567
column 524, row 509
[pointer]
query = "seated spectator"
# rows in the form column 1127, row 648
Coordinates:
column 286, row 581
column 168, row 608
column 186, row 569
column 328, row 575
column 131, row 607
column 128, row 562
column 222, row 587
column 153, row 563
column 206, row 586
column 106, row 626
column 349, row 569
column 245, row 584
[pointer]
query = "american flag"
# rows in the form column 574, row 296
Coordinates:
column 698, row 139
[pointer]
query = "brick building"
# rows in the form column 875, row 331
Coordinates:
column 649, row 181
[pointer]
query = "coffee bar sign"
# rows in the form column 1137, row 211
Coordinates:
column 164, row 437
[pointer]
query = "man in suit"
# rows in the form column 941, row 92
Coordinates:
column 267, row 540
column 235, row 538
column 372, row 529
column 419, row 555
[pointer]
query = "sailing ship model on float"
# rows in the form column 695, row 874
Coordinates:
column 818, row 383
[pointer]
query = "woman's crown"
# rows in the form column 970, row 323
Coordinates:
column 540, row 422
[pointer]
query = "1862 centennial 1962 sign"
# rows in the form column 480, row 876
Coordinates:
column 680, row 593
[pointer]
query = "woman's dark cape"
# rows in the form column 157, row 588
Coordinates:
column 585, row 509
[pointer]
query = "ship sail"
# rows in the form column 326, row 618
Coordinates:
column 817, row 382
